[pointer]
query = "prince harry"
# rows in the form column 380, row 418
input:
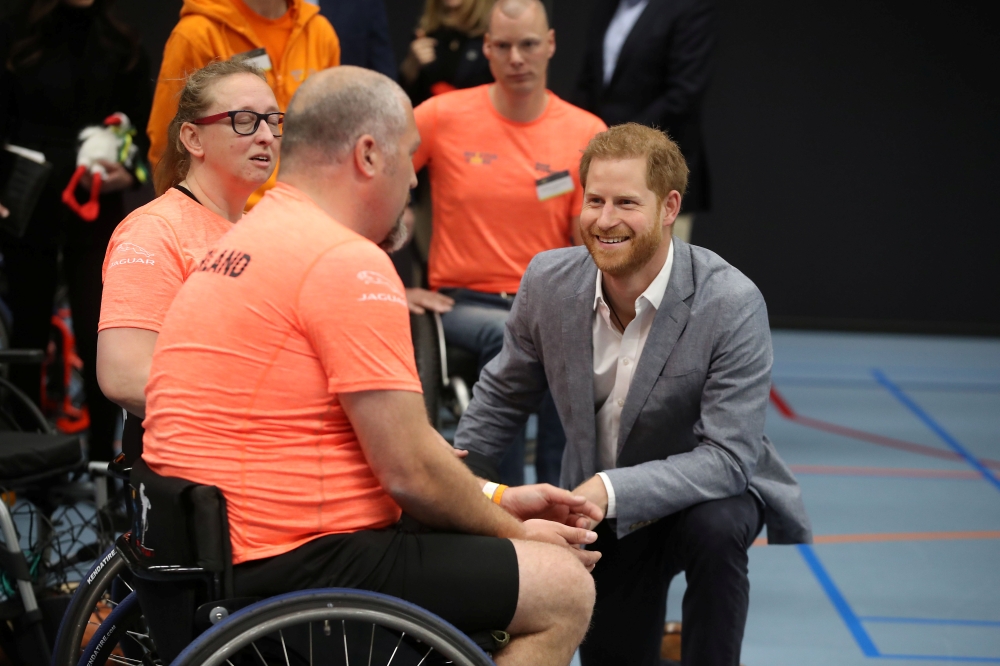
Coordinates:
column 658, row 356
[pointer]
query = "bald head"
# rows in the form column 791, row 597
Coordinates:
column 336, row 107
column 513, row 9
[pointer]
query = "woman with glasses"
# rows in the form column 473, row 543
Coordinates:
column 221, row 146
column 447, row 53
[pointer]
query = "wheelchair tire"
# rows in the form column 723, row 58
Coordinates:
column 225, row 642
column 123, row 629
column 94, row 595
column 428, row 355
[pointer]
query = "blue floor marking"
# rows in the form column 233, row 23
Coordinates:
column 955, row 445
column 928, row 620
column 847, row 614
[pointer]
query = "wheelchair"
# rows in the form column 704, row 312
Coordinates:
column 48, row 535
column 446, row 372
column 180, row 608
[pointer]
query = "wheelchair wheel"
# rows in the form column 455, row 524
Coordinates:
column 333, row 627
column 107, row 583
column 122, row 637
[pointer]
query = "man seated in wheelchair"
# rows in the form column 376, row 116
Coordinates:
column 284, row 375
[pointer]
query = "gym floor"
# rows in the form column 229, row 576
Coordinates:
column 895, row 442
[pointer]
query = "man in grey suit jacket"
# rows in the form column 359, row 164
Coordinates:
column 658, row 356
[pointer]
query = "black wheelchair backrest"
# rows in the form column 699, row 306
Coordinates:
column 179, row 526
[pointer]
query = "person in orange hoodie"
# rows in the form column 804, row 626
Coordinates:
column 288, row 39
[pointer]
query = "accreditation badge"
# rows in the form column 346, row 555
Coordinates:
column 258, row 57
column 554, row 185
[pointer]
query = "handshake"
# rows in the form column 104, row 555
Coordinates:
column 559, row 516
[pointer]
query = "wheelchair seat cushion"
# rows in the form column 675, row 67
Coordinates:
column 30, row 454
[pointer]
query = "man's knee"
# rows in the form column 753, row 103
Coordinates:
column 554, row 587
column 721, row 528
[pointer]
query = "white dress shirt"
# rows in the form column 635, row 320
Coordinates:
column 621, row 25
column 615, row 357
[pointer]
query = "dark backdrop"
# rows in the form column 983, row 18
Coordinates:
column 854, row 149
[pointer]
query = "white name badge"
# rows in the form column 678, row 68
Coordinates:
column 554, row 185
column 258, row 57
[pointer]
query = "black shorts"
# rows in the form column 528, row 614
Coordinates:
column 470, row 581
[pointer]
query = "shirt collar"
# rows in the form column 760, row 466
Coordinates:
column 656, row 289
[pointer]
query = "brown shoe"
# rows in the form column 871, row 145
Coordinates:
column 670, row 648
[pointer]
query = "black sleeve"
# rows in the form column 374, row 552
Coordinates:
column 690, row 59
column 585, row 83
column 380, row 55
column 6, row 82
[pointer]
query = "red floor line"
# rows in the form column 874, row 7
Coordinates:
column 785, row 409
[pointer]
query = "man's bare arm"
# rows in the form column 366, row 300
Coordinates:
column 123, row 359
column 428, row 482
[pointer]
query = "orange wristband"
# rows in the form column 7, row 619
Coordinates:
column 498, row 494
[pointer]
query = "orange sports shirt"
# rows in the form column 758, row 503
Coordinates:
column 273, row 33
column 152, row 252
column 490, row 214
column 287, row 311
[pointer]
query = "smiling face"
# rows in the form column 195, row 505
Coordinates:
column 519, row 49
column 622, row 222
column 241, row 161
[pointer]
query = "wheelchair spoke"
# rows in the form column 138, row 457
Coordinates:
column 136, row 635
column 371, row 646
column 124, row 660
column 125, row 582
column 262, row 660
column 310, row 644
column 343, row 628
column 284, row 648
column 401, row 637
column 425, row 657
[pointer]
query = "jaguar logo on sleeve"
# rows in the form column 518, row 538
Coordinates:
column 374, row 279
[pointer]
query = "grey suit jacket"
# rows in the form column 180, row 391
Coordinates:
column 692, row 427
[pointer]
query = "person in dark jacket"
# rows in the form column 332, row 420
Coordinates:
column 65, row 65
column 648, row 61
column 363, row 30
column 447, row 53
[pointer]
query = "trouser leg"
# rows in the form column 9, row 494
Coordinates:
column 551, row 442
column 709, row 542
column 712, row 540
column 683, row 226
column 631, row 579
column 477, row 323
column 31, row 279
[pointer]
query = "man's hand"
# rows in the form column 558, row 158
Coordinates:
column 422, row 48
column 118, row 178
column 593, row 489
column 550, row 503
column 573, row 538
column 3, row 211
column 421, row 300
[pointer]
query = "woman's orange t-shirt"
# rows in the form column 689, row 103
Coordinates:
column 152, row 252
